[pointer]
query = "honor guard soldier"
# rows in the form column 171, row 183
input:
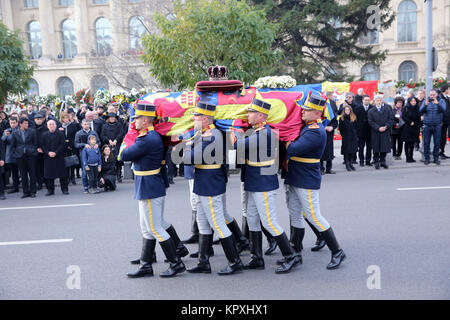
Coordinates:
column 303, row 180
column 207, row 154
column 261, row 186
column 147, row 154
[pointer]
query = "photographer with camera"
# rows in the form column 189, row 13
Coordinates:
column 432, row 110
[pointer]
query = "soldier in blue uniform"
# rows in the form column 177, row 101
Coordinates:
column 206, row 151
column 261, row 185
column 150, row 190
column 304, row 177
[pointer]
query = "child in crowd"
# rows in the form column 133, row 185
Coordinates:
column 92, row 162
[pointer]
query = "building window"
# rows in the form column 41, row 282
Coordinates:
column 31, row 4
column 65, row 3
column 34, row 39
column 69, row 39
column 103, row 37
column 137, row 30
column 407, row 71
column 371, row 37
column 370, row 72
column 134, row 0
column 33, row 88
column 134, row 80
column 98, row 82
column 406, row 21
column 65, row 87
column 100, row 1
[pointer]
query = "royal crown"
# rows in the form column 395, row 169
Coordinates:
column 218, row 73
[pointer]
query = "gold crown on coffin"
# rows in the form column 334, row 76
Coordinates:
column 218, row 73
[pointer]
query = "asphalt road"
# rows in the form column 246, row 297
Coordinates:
column 404, row 234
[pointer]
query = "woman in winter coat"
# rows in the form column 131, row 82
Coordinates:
column 411, row 128
column 347, row 128
column 397, row 128
column 70, row 128
column 108, row 173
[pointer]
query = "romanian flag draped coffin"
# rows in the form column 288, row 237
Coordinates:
column 173, row 109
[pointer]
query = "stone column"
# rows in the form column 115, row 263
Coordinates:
column 7, row 14
column 82, row 27
column 51, row 44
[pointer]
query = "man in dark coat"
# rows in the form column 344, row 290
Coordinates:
column 10, row 160
column 445, row 95
column 53, row 146
column 24, row 146
column 2, row 170
column 380, row 119
column 328, row 154
column 40, row 125
column 363, row 131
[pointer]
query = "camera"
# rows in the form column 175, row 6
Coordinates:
column 430, row 99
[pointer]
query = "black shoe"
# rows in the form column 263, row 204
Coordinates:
column 272, row 246
column 73, row 181
column 337, row 254
column 12, row 191
column 148, row 250
column 138, row 261
column 119, row 179
column 320, row 243
column 2, row 197
column 352, row 167
column 384, row 165
column 205, row 245
column 196, row 254
column 194, row 229
column 49, row 193
column 26, row 195
column 182, row 251
column 39, row 187
column 241, row 241
column 437, row 162
column 291, row 258
column 175, row 264
column 361, row 164
column 256, row 258
column 347, row 166
column 368, row 164
column 426, row 162
column 297, row 235
column 234, row 262
column 412, row 160
column 65, row 192
column 33, row 195
column 330, row 171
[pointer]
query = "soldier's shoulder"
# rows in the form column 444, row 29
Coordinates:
column 314, row 125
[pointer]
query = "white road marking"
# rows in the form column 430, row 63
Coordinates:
column 423, row 188
column 11, row 243
column 53, row 206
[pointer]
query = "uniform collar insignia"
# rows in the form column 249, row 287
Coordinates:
column 259, row 126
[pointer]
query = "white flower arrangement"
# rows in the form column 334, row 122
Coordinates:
column 275, row 82
column 102, row 96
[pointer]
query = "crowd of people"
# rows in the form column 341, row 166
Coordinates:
column 36, row 148
column 372, row 129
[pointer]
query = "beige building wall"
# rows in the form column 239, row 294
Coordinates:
column 86, row 64
column 399, row 52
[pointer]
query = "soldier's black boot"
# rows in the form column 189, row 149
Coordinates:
column 272, row 243
column 182, row 251
column 337, row 254
column 175, row 264
column 320, row 242
column 204, row 244
column 241, row 241
column 245, row 230
column 291, row 259
column 256, row 259
column 145, row 270
column 138, row 261
column 297, row 236
column 194, row 229
column 234, row 262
